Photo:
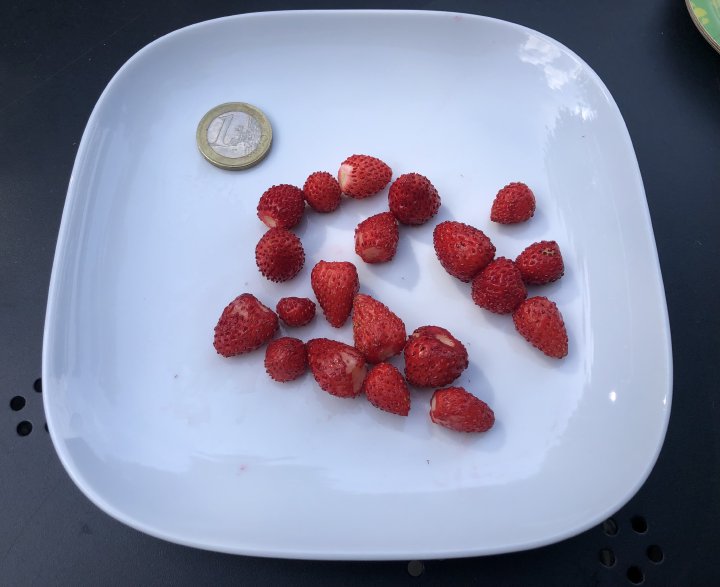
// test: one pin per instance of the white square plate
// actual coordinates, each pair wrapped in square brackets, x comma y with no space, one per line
[172,439]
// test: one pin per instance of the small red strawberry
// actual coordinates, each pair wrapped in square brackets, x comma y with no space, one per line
[322,192]
[377,332]
[338,368]
[499,287]
[386,389]
[514,203]
[462,250]
[279,254]
[335,284]
[433,357]
[281,206]
[541,263]
[376,238]
[540,322]
[361,176]
[285,359]
[245,324]
[295,311]
[458,410]
[413,199]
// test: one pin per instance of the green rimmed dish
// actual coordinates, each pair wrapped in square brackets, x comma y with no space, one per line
[706,16]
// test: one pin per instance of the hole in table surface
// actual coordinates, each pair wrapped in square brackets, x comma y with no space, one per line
[607,557]
[415,568]
[635,575]
[37,385]
[24,428]
[610,527]
[639,524]
[655,553]
[17,403]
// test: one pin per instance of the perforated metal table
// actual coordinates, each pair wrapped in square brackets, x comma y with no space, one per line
[55,60]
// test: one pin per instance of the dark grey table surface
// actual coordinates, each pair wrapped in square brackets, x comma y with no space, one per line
[55,60]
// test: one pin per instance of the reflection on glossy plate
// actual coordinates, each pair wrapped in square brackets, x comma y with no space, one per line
[168,437]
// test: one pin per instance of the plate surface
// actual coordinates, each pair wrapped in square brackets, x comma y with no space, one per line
[170,438]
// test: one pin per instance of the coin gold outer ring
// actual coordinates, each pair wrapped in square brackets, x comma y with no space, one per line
[236,163]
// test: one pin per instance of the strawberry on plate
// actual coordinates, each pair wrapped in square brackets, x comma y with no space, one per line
[433,357]
[499,287]
[541,324]
[281,206]
[279,254]
[514,203]
[457,409]
[462,250]
[376,238]
[386,389]
[322,192]
[335,284]
[285,359]
[541,263]
[245,324]
[295,311]
[338,368]
[361,176]
[413,199]
[378,333]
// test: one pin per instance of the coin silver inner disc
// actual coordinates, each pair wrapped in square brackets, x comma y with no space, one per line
[234,134]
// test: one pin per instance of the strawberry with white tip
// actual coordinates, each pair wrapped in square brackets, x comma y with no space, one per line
[362,176]
[376,238]
[433,357]
[245,324]
[457,409]
[338,368]
[281,206]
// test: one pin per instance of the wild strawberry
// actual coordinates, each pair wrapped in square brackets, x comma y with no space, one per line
[377,332]
[376,238]
[279,254]
[499,287]
[281,206]
[413,199]
[433,357]
[285,359]
[335,284]
[386,389]
[361,176]
[245,324]
[322,192]
[540,322]
[458,410]
[295,311]
[462,250]
[514,203]
[338,368]
[541,263]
